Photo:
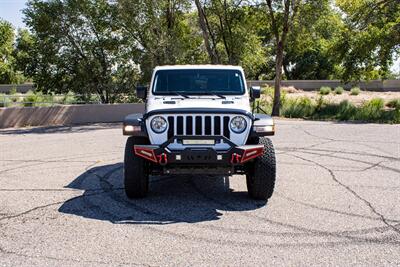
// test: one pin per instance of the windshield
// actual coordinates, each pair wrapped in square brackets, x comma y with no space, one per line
[198,82]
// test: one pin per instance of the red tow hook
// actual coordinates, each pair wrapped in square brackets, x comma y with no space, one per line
[235,158]
[162,159]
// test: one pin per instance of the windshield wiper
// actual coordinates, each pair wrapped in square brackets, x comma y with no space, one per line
[182,95]
[213,94]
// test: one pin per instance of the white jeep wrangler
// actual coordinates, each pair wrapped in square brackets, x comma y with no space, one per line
[198,120]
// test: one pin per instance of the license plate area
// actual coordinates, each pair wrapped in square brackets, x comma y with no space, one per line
[199,155]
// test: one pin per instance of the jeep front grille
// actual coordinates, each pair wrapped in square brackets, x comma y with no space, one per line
[198,125]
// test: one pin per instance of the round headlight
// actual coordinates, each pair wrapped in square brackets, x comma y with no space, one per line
[238,124]
[158,124]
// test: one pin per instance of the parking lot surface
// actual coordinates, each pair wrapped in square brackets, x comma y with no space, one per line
[337,202]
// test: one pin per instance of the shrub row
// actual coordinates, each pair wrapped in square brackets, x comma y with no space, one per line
[371,111]
[325,90]
[321,109]
[38,99]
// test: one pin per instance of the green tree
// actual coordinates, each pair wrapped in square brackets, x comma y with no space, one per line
[230,30]
[8,73]
[282,15]
[310,51]
[24,49]
[160,32]
[371,38]
[208,36]
[79,48]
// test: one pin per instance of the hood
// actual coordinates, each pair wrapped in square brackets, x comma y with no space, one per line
[172,102]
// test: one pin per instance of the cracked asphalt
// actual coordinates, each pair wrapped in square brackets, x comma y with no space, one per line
[336,202]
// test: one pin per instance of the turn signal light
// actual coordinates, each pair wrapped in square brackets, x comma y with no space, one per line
[264,129]
[131,128]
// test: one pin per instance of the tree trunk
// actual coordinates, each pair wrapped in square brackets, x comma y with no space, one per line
[170,18]
[228,53]
[107,97]
[102,98]
[203,25]
[278,77]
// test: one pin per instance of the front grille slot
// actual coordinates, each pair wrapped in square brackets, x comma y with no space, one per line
[189,125]
[179,125]
[207,125]
[198,125]
[170,127]
[217,125]
[227,133]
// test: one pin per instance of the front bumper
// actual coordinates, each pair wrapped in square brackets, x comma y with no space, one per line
[222,153]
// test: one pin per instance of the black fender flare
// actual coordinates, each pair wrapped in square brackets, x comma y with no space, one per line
[135,119]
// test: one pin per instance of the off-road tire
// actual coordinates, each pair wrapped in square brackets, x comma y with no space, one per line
[136,170]
[261,173]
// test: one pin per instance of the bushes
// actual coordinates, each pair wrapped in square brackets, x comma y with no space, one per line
[346,111]
[370,111]
[394,103]
[298,108]
[339,90]
[263,106]
[325,90]
[38,99]
[69,99]
[355,91]
[31,98]
[3,101]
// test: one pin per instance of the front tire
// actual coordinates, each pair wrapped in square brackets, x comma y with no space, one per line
[261,173]
[136,170]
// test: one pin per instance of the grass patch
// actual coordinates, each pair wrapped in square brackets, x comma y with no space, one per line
[68,99]
[346,111]
[3,101]
[321,109]
[394,103]
[325,90]
[31,99]
[338,90]
[301,107]
[371,110]
[355,91]
[38,99]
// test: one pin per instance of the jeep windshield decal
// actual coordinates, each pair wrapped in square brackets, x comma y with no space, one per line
[198,82]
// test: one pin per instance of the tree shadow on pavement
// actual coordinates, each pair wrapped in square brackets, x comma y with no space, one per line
[172,199]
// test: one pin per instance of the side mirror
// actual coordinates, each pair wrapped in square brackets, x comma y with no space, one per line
[141,91]
[255,92]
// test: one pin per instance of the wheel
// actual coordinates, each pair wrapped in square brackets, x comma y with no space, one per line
[136,170]
[261,173]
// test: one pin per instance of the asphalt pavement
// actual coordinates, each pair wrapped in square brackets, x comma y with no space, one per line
[336,203]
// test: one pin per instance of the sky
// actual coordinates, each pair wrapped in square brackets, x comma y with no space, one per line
[11,10]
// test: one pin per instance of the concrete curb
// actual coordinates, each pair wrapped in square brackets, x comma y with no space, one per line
[66,115]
